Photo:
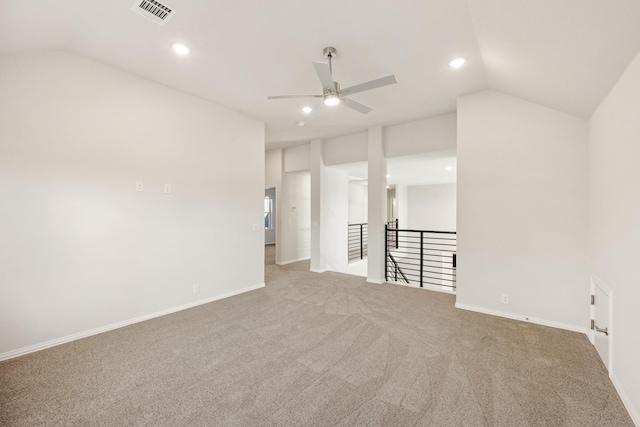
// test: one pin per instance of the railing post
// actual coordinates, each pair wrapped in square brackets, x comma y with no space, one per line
[386,254]
[421,255]
[361,238]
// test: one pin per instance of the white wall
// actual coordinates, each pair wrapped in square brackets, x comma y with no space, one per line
[334,218]
[614,223]
[293,189]
[421,136]
[345,149]
[295,223]
[358,196]
[273,168]
[273,179]
[432,207]
[522,201]
[296,158]
[402,205]
[80,248]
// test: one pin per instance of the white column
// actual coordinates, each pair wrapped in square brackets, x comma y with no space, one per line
[318,264]
[377,204]
[402,205]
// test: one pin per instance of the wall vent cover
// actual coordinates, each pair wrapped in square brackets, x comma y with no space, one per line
[153,10]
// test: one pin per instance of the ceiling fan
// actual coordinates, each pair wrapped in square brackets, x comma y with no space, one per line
[331,92]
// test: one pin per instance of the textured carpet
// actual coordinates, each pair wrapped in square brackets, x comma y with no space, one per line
[321,350]
[269,254]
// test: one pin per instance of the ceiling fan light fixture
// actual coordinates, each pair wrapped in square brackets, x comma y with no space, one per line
[331,99]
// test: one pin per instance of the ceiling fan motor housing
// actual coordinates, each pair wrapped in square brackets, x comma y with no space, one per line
[329,52]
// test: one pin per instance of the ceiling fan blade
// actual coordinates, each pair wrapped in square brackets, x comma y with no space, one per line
[293,96]
[356,105]
[324,73]
[373,84]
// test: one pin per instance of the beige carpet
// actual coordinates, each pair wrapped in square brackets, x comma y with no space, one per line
[320,350]
[269,254]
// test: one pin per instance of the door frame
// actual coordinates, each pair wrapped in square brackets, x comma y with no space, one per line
[276,215]
[596,281]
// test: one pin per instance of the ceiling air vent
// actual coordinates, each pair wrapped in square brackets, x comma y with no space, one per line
[153,10]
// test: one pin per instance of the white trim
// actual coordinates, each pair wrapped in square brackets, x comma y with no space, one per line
[596,281]
[313,270]
[377,282]
[513,316]
[52,343]
[635,417]
[292,261]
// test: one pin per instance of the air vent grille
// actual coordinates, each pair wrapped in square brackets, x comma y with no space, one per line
[153,10]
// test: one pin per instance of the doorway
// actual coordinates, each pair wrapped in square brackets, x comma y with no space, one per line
[270,225]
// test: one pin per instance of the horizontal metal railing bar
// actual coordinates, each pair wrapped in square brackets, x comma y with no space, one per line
[420,231]
[414,236]
[444,279]
[433,249]
[438,268]
[410,250]
[410,245]
[417,243]
[411,239]
[431,240]
[426,283]
[432,258]
[444,282]
[423,256]
[411,236]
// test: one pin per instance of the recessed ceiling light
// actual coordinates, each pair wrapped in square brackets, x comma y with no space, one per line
[301,124]
[180,49]
[331,100]
[307,110]
[449,168]
[457,63]
[388,176]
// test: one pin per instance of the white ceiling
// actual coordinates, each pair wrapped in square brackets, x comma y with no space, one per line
[564,54]
[422,169]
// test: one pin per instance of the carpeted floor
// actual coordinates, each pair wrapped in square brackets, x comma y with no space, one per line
[317,350]
[269,254]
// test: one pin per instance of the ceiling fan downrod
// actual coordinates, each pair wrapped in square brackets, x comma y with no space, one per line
[329,53]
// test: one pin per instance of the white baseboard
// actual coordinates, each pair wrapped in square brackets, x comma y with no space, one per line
[292,261]
[313,270]
[633,413]
[513,316]
[52,343]
[374,281]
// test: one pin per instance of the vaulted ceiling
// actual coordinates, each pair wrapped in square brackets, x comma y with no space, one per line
[563,54]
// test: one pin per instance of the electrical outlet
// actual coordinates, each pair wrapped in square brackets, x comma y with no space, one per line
[256,227]
[167,188]
[139,186]
[196,289]
[504,299]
